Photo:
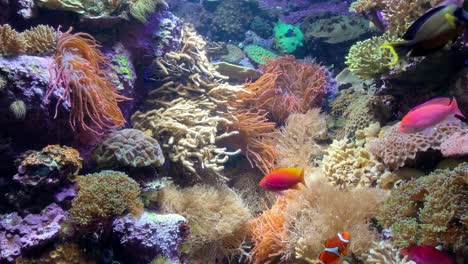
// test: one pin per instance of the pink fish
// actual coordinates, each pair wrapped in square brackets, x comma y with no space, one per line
[283,179]
[427,255]
[428,114]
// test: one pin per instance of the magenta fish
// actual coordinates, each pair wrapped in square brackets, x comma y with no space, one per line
[427,255]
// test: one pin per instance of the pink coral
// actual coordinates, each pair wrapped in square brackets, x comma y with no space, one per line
[79,67]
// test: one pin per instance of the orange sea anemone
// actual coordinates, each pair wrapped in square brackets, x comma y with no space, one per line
[80,69]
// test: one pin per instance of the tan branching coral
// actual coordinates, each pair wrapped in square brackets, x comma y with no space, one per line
[348,163]
[319,211]
[217,217]
[11,42]
[430,210]
[297,141]
[385,253]
[41,39]
[188,133]
[395,149]
[128,147]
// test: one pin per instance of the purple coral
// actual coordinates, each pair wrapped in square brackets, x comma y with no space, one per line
[19,235]
[151,235]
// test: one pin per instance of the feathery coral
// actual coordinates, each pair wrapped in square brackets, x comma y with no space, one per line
[297,141]
[41,39]
[105,195]
[78,70]
[11,42]
[217,218]
[430,210]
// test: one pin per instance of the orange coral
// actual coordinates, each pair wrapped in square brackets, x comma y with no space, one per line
[92,96]
[287,86]
[268,233]
[257,138]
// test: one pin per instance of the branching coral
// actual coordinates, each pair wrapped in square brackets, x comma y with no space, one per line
[297,142]
[11,42]
[367,60]
[102,196]
[188,133]
[319,211]
[216,216]
[395,148]
[268,232]
[385,253]
[40,39]
[69,253]
[430,210]
[128,147]
[348,163]
[78,70]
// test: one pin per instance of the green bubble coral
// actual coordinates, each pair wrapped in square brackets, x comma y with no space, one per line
[367,60]
[430,210]
[288,38]
[104,195]
[258,54]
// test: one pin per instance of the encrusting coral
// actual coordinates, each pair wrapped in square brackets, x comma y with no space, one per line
[67,253]
[430,210]
[128,147]
[395,148]
[104,195]
[348,163]
[298,140]
[78,72]
[217,218]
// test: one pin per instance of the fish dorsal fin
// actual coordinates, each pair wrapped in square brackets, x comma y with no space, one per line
[436,101]
[416,25]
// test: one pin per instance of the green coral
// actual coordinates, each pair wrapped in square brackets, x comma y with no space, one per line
[141,9]
[288,37]
[430,210]
[122,66]
[367,60]
[104,195]
[258,54]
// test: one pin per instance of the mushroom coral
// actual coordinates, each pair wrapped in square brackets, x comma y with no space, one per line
[79,69]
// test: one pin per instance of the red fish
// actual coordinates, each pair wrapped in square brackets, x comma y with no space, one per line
[335,247]
[427,255]
[283,179]
[428,114]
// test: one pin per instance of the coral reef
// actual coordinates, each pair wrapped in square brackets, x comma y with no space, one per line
[383,253]
[102,196]
[19,235]
[395,148]
[348,163]
[128,148]
[235,54]
[430,210]
[230,20]
[142,239]
[298,140]
[216,216]
[456,145]
[91,96]
[69,253]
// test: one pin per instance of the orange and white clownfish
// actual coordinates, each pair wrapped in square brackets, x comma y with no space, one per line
[335,247]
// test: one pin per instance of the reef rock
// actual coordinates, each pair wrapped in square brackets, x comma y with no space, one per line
[20,235]
[151,235]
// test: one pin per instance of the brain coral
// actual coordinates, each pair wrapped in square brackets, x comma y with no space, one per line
[396,148]
[430,210]
[348,163]
[128,148]
[105,195]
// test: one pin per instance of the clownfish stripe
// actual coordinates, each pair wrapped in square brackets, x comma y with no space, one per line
[342,238]
[333,250]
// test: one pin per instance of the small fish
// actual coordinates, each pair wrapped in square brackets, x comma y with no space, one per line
[283,179]
[335,247]
[427,255]
[430,33]
[428,114]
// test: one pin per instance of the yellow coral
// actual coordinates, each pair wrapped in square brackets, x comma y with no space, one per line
[11,42]
[40,39]
[367,60]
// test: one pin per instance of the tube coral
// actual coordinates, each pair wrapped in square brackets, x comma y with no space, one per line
[78,69]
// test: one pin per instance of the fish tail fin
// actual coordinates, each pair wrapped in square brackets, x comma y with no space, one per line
[396,49]
[302,176]
[454,106]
